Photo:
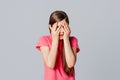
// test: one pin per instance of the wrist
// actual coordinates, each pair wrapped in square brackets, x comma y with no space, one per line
[54,40]
[66,38]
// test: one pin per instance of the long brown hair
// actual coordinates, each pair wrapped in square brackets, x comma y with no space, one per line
[57,16]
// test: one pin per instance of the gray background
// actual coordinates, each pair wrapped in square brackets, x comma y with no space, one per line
[96,24]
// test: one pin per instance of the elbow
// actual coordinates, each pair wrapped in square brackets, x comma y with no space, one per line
[51,66]
[70,65]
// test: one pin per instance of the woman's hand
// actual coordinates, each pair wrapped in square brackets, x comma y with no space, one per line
[66,30]
[55,31]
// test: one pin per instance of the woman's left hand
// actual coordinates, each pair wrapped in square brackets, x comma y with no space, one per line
[66,30]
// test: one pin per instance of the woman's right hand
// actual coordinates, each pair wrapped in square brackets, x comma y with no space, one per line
[55,29]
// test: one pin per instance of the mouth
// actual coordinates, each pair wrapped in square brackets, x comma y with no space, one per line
[61,34]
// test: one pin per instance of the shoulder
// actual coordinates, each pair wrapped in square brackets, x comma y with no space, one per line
[73,38]
[44,37]
[74,42]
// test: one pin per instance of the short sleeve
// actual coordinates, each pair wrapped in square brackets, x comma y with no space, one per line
[74,43]
[41,42]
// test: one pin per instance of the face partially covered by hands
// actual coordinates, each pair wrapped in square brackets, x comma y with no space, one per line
[60,30]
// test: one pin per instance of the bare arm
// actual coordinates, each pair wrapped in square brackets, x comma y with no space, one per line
[50,55]
[70,53]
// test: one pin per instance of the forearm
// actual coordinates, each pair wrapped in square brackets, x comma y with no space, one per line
[69,54]
[53,54]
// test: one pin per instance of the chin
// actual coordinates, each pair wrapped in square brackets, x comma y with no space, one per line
[61,38]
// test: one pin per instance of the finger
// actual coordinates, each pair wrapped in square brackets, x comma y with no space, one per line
[58,29]
[55,26]
[67,26]
[63,28]
[63,21]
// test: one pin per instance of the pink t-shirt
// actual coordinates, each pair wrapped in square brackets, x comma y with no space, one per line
[57,73]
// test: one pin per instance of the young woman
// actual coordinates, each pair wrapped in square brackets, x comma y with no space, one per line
[59,48]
